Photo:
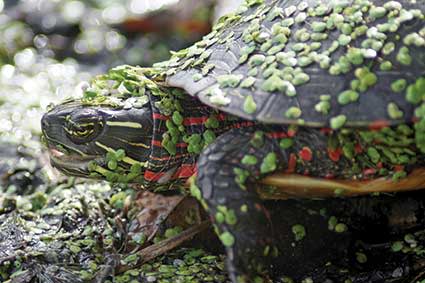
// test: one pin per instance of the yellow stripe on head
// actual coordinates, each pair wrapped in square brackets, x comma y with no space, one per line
[133,125]
[138,144]
[126,159]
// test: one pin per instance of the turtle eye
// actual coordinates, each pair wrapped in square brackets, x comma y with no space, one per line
[83,127]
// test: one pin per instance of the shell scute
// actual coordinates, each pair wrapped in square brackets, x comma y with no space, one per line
[361,54]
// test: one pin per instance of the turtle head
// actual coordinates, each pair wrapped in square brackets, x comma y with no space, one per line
[98,140]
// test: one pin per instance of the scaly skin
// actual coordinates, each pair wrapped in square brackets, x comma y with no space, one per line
[234,204]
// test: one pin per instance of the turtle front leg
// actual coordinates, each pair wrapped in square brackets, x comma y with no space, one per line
[228,171]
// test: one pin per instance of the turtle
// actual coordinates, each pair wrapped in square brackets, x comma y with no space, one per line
[284,98]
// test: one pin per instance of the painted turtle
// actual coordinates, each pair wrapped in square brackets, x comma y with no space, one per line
[328,95]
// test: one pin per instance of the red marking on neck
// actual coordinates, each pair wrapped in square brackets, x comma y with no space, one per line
[378,124]
[201,120]
[158,143]
[190,121]
[152,176]
[292,163]
[168,157]
[183,172]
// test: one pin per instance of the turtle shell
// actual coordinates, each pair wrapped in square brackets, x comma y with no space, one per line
[340,63]
[284,186]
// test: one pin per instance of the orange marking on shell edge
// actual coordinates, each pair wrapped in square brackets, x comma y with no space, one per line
[398,168]
[369,171]
[277,135]
[157,143]
[306,154]
[243,124]
[329,176]
[326,130]
[258,206]
[358,148]
[292,163]
[157,116]
[334,154]
[291,133]
[378,125]
[266,213]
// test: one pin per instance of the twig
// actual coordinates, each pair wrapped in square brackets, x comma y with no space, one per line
[164,246]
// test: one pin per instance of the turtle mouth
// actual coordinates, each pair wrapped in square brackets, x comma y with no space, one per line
[72,163]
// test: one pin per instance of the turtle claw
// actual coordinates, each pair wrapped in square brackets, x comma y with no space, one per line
[242,273]
[243,278]
[249,262]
